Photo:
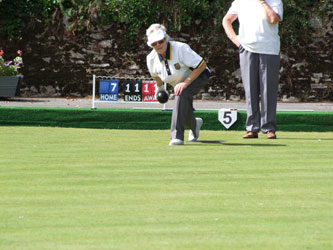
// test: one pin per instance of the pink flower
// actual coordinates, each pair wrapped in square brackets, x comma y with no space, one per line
[19,52]
[1,52]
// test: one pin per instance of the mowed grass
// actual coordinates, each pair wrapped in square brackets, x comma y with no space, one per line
[63,188]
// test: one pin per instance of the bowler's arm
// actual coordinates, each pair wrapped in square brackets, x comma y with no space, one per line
[159,82]
[229,30]
[271,16]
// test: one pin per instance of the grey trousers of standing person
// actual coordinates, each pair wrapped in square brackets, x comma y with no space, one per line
[182,114]
[260,75]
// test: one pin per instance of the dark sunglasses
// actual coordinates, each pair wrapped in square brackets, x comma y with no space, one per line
[158,42]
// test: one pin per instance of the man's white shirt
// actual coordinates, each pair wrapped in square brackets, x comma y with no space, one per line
[255,33]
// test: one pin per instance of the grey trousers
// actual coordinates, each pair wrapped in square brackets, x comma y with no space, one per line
[260,75]
[182,114]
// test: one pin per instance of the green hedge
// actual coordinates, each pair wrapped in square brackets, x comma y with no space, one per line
[137,15]
[20,19]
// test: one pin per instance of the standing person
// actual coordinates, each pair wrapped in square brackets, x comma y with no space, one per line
[177,64]
[259,55]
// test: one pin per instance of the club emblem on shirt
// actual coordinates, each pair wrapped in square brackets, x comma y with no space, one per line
[177,65]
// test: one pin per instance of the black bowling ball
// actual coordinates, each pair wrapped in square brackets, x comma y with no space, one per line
[162,96]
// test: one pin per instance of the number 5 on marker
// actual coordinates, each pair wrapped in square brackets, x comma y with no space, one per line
[227,117]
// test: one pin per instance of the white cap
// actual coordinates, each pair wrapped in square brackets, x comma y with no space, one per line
[155,36]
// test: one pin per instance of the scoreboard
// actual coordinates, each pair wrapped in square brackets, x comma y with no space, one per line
[132,89]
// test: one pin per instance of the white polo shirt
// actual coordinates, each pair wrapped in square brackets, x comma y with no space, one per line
[255,33]
[179,63]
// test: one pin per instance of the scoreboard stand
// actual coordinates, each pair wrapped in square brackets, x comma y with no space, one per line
[135,90]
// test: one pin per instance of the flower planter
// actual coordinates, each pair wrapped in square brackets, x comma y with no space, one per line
[10,86]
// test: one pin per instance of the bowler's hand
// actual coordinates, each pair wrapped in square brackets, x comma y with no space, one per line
[179,88]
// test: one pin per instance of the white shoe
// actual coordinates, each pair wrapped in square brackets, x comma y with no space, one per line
[191,137]
[174,142]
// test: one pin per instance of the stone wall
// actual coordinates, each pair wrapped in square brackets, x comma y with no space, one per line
[307,71]
[60,63]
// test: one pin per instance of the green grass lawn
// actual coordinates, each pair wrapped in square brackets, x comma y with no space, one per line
[63,188]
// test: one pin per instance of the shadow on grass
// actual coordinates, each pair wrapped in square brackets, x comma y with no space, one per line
[255,145]
[208,141]
[198,142]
